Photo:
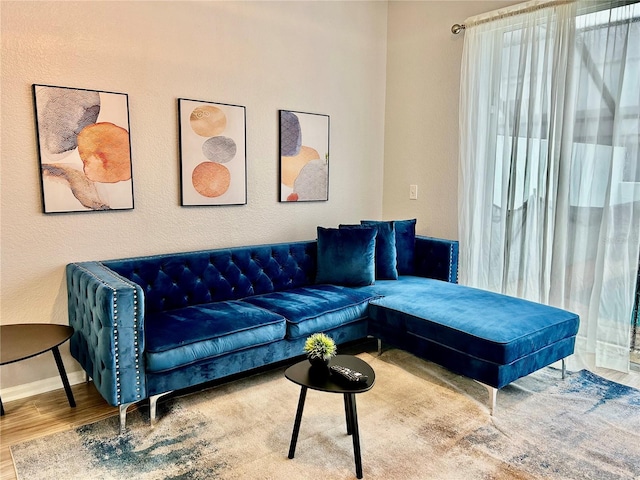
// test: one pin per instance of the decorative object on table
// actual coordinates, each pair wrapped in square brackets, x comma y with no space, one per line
[319,349]
[304,157]
[213,159]
[84,148]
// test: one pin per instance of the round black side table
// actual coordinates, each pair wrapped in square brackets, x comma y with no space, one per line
[22,341]
[302,374]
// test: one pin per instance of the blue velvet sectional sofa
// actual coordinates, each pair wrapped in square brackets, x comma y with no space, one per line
[150,325]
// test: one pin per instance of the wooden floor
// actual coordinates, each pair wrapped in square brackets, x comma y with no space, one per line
[49,413]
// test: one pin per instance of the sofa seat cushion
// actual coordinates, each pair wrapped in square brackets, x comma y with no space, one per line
[486,325]
[188,335]
[315,308]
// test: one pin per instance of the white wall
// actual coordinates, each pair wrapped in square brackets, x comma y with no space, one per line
[320,57]
[421,128]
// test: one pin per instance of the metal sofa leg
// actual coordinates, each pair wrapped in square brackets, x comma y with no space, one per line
[379,344]
[493,397]
[493,392]
[123,415]
[153,402]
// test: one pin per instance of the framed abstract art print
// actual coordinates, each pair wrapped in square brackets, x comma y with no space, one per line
[84,149]
[213,161]
[304,157]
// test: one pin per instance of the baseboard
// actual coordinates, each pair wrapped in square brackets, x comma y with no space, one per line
[40,386]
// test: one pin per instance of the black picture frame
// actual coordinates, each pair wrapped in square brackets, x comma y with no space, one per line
[304,156]
[213,153]
[84,149]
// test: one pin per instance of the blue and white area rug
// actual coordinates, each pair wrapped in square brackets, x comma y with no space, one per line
[418,422]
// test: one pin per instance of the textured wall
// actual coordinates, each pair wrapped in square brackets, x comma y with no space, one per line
[421,128]
[320,57]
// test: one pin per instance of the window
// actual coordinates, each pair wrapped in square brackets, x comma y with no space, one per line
[550,163]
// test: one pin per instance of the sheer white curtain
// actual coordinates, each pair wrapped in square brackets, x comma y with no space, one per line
[549,181]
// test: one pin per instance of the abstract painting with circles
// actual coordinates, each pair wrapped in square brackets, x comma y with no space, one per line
[85,150]
[304,157]
[212,153]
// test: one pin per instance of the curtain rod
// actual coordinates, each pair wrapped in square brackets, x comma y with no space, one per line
[530,6]
[518,9]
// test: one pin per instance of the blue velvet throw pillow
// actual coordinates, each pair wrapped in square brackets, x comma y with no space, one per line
[386,253]
[405,231]
[346,256]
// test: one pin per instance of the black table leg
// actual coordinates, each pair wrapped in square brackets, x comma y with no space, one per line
[63,376]
[1,407]
[356,434]
[296,425]
[347,413]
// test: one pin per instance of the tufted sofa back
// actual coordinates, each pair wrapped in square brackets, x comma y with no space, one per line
[182,279]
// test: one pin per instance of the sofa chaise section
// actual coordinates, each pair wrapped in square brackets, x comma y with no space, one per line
[489,337]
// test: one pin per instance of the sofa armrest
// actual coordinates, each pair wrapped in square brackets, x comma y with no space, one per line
[436,258]
[106,312]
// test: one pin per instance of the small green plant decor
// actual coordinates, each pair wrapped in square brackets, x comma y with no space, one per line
[319,349]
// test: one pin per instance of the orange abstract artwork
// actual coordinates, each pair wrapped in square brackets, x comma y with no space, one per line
[208,121]
[211,179]
[84,146]
[104,150]
[304,157]
[291,166]
[212,153]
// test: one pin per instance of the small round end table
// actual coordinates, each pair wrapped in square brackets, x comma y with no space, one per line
[26,340]
[302,374]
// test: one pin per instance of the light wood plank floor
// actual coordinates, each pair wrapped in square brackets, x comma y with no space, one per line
[49,413]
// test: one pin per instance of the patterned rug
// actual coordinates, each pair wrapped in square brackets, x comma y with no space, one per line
[418,422]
